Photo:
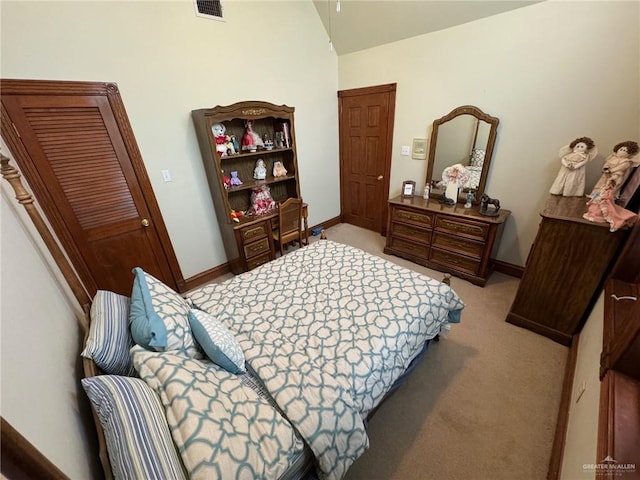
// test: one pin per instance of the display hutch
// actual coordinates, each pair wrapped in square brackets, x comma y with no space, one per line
[248,240]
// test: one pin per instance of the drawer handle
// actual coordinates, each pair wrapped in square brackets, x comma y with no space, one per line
[629,297]
[256,248]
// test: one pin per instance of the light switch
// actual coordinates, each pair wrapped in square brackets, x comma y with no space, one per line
[406,150]
[166,175]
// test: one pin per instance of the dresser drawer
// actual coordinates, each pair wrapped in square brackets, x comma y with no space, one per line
[254,249]
[454,261]
[411,232]
[462,227]
[257,261]
[410,216]
[465,246]
[254,231]
[414,249]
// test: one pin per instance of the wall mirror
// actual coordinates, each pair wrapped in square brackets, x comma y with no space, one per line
[467,136]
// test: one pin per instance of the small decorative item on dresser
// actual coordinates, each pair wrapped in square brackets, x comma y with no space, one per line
[471,195]
[485,201]
[408,188]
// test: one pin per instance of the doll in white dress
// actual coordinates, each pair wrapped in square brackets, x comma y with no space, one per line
[573,158]
[617,167]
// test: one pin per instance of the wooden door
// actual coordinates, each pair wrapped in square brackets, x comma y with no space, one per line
[74,145]
[366,136]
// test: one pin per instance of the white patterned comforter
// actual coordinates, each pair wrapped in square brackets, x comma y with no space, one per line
[223,429]
[328,328]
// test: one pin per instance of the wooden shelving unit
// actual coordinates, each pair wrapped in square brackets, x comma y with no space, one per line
[248,242]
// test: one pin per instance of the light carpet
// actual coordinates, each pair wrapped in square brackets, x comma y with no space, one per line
[482,405]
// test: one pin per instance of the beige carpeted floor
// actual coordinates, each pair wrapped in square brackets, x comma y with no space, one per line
[482,404]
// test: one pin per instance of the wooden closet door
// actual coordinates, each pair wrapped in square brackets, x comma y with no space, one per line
[74,145]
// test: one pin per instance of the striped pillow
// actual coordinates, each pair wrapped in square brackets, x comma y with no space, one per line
[109,338]
[135,428]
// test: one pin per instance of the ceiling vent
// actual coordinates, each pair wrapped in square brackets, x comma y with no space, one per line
[209,9]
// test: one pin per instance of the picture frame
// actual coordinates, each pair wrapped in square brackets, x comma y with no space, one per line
[408,188]
[419,149]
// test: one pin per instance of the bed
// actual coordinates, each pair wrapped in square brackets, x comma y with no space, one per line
[270,374]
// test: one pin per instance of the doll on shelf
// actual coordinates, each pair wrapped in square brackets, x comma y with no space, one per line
[260,172]
[235,180]
[218,130]
[574,157]
[278,169]
[251,140]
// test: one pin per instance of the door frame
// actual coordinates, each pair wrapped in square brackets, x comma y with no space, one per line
[386,88]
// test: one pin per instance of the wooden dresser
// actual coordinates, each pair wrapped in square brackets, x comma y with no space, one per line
[447,238]
[566,269]
[619,419]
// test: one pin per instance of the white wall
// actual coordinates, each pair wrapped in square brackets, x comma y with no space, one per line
[550,72]
[40,345]
[166,62]
[581,440]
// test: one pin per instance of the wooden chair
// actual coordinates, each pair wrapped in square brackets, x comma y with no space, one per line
[289,223]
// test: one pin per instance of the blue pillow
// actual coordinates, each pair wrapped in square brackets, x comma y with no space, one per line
[217,341]
[109,339]
[135,428]
[158,317]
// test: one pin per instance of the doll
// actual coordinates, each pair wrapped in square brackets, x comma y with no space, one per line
[251,140]
[573,159]
[617,168]
[218,131]
[279,170]
[235,180]
[260,172]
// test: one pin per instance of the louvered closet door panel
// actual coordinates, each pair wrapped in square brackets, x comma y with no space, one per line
[79,155]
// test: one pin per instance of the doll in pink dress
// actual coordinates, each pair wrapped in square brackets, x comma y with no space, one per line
[251,140]
[602,208]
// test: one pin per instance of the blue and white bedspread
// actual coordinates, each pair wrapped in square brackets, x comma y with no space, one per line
[223,429]
[328,328]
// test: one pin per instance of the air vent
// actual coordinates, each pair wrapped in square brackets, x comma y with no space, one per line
[209,9]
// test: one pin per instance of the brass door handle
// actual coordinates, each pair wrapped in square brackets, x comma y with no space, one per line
[145,222]
[380,177]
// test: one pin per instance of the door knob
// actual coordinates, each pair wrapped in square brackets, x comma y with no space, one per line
[145,222]
[380,177]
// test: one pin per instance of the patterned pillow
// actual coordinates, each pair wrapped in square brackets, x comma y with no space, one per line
[109,339]
[135,428]
[217,341]
[158,318]
[477,157]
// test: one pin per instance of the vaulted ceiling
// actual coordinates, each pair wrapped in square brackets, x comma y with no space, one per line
[362,24]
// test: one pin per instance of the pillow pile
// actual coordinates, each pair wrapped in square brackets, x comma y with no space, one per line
[163,321]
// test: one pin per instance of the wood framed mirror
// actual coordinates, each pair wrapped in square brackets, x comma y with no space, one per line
[466,136]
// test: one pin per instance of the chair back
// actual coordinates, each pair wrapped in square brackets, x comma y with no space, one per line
[290,219]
